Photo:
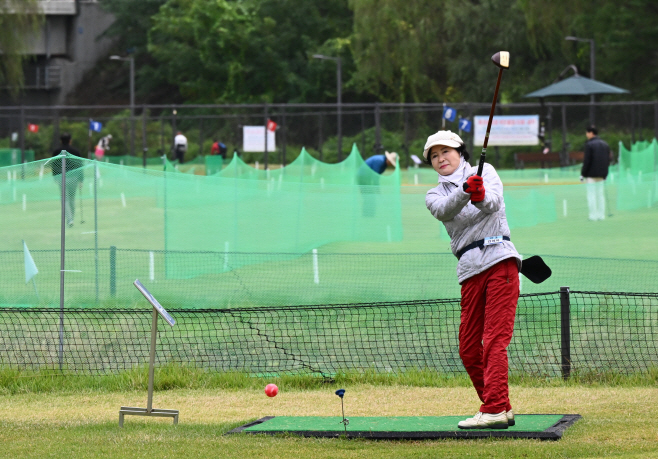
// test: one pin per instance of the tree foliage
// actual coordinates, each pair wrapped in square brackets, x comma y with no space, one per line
[18,18]
[392,50]
[248,51]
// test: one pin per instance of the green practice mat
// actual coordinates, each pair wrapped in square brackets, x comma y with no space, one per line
[541,426]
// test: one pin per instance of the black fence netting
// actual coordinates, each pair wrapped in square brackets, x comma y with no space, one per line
[555,334]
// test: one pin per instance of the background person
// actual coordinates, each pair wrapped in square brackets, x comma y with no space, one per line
[472,208]
[74,174]
[218,148]
[594,172]
[368,174]
[180,147]
[103,146]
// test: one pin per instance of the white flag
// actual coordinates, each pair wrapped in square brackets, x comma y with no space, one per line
[30,267]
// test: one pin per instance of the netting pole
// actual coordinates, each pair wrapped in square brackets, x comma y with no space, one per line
[320,136]
[378,131]
[96,226]
[113,271]
[565,327]
[655,119]
[144,145]
[62,260]
[22,133]
[565,153]
[164,182]
[405,115]
[363,132]
[284,136]
[265,155]
[632,125]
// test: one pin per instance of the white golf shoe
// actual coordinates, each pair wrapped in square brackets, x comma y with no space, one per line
[510,418]
[485,421]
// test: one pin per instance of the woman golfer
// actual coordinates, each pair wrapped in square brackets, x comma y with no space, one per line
[473,211]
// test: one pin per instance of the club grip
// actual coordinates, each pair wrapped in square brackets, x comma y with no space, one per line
[481,164]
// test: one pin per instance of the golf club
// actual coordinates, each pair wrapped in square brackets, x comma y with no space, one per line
[500,60]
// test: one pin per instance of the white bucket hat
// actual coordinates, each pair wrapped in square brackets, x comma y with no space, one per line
[391,157]
[447,138]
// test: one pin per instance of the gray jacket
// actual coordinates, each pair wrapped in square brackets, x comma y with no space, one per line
[467,222]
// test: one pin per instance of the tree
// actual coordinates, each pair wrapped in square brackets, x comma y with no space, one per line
[247,51]
[399,49]
[17,19]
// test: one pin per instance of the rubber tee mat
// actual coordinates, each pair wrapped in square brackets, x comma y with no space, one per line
[541,426]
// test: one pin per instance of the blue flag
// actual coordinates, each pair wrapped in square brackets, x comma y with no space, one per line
[449,113]
[95,126]
[465,124]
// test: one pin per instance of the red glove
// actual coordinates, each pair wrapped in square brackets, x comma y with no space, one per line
[475,186]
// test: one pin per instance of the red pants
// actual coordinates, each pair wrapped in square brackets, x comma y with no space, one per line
[487,322]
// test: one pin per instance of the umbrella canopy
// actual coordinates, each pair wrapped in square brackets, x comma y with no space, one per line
[577,86]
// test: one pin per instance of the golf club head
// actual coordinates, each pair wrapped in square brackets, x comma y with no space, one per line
[501,59]
[340,392]
[535,269]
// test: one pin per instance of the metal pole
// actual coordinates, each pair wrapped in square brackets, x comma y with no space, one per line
[363,131]
[378,132]
[200,137]
[592,68]
[284,138]
[565,331]
[96,226]
[144,144]
[405,115]
[62,264]
[113,271]
[132,106]
[632,125]
[265,155]
[339,90]
[154,337]
[320,137]
[22,133]
[655,119]
[565,153]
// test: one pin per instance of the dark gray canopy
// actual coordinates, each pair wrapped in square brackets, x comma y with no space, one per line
[576,86]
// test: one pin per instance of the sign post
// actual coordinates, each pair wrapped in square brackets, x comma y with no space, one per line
[149,410]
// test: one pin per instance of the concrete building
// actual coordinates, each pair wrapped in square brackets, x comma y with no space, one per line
[68,45]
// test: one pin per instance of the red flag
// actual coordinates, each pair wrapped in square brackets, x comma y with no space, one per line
[271,125]
[33,127]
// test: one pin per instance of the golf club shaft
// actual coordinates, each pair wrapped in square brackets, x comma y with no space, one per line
[491,115]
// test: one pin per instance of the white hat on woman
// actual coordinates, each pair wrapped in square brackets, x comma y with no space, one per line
[447,138]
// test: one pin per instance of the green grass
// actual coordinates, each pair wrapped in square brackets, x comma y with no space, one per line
[44,415]
[175,376]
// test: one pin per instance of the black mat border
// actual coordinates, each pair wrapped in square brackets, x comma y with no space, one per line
[552,433]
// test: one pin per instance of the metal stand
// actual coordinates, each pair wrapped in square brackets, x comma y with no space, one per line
[149,410]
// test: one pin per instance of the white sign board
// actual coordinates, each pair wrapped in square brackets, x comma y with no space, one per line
[507,130]
[151,299]
[253,139]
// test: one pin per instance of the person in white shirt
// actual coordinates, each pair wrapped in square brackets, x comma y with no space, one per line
[180,147]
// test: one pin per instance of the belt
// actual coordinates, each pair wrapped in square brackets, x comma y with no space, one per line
[482,243]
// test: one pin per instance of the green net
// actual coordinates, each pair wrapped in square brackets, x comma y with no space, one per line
[12,156]
[308,233]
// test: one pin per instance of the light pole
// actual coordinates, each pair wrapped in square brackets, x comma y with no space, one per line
[592,68]
[339,102]
[132,98]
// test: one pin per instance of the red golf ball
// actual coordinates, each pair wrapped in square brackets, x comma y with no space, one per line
[271,390]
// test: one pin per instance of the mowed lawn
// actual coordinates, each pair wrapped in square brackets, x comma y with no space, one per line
[617,422]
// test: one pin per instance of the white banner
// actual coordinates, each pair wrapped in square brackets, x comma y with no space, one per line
[507,130]
[253,139]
